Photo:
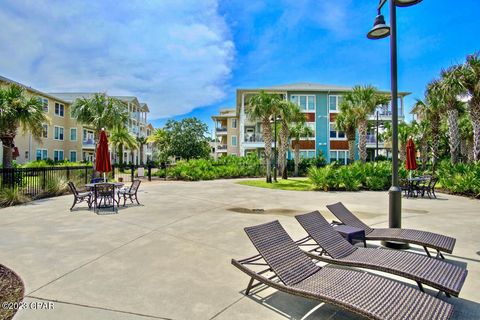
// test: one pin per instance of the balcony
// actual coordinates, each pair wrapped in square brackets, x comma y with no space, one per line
[253,138]
[221,130]
[88,144]
[221,148]
[372,141]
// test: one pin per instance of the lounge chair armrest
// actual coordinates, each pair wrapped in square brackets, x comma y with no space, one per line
[336,223]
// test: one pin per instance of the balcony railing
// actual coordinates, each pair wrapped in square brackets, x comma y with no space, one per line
[222,147]
[221,129]
[89,143]
[254,138]
[372,138]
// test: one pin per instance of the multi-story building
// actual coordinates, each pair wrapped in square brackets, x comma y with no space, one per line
[65,139]
[237,134]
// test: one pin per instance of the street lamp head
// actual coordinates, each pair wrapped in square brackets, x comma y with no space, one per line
[380,29]
[406,3]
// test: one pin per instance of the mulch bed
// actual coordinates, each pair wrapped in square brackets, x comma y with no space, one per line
[11,291]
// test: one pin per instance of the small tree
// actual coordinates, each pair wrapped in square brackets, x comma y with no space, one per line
[289,113]
[159,140]
[347,122]
[141,141]
[16,110]
[119,138]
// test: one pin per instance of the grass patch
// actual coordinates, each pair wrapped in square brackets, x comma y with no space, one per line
[296,184]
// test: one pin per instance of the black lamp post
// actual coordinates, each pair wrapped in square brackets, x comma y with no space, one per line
[381,30]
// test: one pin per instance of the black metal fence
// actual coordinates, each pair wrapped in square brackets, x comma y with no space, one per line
[35,182]
[127,173]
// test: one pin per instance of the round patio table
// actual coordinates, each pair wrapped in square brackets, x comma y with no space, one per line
[92,185]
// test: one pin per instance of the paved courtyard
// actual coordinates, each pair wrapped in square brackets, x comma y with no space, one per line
[170,258]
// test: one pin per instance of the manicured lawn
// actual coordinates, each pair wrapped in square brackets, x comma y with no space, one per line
[298,184]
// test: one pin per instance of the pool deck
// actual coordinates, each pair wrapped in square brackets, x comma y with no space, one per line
[170,257]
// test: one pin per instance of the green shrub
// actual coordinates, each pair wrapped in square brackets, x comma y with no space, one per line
[324,178]
[12,196]
[55,186]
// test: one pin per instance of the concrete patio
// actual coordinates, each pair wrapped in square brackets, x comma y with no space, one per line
[170,257]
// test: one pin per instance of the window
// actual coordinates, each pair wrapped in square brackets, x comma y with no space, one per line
[73,156]
[234,123]
[59,109]
[73,134]
[306,103]
[57,155]
[234,141]
[58,134]
[311,125]
[44,130]
[334,101]
[334,133]
[339,156]
[307,154]
[42,154]
[44,102]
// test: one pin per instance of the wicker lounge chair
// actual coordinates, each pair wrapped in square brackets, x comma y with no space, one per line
[423,238]
[362,293]
[438,274]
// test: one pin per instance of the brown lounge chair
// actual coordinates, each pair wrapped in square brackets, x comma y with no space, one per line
[362,293]
[423,238]
[438,274]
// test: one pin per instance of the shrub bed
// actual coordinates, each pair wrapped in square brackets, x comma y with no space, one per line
[208,169]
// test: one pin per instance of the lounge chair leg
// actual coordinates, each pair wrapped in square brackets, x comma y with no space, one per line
[439,254]
[364,243]
[428,253]
[420,286]
[448,295]
[250,283]
[73,205]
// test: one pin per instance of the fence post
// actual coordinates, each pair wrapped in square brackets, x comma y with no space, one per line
[149,172]
[113,171]
[68,173]
[132,172]
[86,175]
[44,180]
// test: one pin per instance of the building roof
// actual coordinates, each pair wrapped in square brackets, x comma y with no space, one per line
[225,113]
[72,96]
[48,95]
[144,106]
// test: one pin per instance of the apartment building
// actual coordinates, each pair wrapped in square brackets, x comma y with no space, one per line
[319,103]
[65,139]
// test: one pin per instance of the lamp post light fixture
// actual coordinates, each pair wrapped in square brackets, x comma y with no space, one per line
[381,30]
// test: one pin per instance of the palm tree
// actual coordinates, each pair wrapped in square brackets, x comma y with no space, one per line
[120,138]
[16,110]
[347,122]
[100,112]
[364,100]
[263,106]
[405,131]
[159,138]
[466,134]
[289,112]
[470,79]
[432,111]
[449,89]
[141,141]
[421,129]
[297,131]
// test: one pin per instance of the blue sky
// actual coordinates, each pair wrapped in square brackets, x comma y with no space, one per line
[186,58]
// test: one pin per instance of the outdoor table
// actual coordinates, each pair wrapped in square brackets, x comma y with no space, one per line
[351,234]
[91,186]
[413,184]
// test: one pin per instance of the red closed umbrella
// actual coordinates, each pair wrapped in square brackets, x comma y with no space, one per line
[411,163]
[102,156]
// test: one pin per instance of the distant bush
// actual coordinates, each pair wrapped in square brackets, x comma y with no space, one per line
[461,178]
[305,164]
[209,169]
[51,163]
[12,196]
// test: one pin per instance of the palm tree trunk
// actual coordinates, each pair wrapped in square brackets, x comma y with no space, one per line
[7,143]
[351,150]
[423,153]
[267,138]
[402,150]
[297,156]
[120,156]
[435,131]
[284,133]
[469,150]
[454,138]
[475,118]
[362,140]
[141,154]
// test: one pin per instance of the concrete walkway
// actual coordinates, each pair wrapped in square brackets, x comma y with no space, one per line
[170,258]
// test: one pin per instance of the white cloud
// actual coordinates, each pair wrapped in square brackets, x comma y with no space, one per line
[174,55]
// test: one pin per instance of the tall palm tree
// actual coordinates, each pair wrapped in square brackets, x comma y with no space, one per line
[466,134]
[262,107]
[298,130]
[432,111]
[120,138]
[470,79]
[289,112]
[364,100]
[141,141]
[405,131]
[346,121]
[450,88]
[16,110]
[99,112]
[421,129]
